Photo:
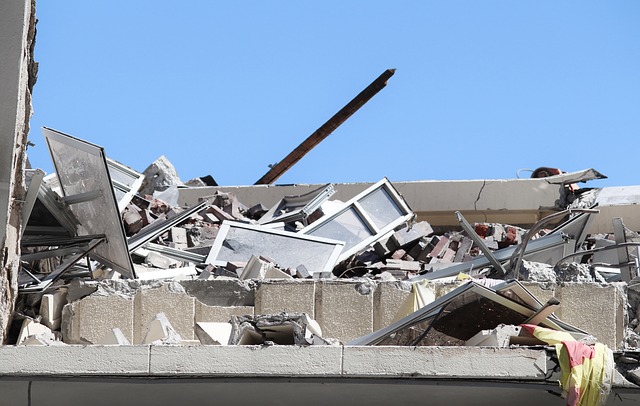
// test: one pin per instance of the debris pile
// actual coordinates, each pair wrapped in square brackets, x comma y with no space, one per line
[130,226]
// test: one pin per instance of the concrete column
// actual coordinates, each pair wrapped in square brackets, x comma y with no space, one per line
[17,76]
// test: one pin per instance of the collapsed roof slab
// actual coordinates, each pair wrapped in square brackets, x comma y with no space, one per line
[508,201]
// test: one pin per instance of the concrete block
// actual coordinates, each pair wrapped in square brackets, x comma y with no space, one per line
[179,237]
[169,299]
[445,362]
[91,318]
[32,329]
[542,291]
[221,291]
[219,314]
[158,260]
[247,361]
[160,331]
[73,360]
[51,308]
[387,300]
[258,268]
[213,333]
[497,337]
[344,310]
[595,308]
[289,296]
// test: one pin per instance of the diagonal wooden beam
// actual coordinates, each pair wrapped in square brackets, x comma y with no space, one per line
[327,128]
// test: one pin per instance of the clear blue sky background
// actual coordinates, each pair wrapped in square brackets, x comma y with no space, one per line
[482,88]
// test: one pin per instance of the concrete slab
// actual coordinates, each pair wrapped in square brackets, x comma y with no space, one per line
[246,361]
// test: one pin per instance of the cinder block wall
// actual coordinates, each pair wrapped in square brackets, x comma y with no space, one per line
[344,309]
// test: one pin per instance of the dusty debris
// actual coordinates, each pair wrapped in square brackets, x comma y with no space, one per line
[281,329]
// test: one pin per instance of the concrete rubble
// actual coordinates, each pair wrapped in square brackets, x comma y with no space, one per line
[311,271]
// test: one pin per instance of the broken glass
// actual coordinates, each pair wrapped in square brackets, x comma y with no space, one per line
[237,242]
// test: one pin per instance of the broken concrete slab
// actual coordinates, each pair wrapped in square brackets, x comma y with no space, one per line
[160,175]
[32,329]
[51,306]
[259,268]
[161,332]
[213,333]
[498,337]
[282,329]
[169,299]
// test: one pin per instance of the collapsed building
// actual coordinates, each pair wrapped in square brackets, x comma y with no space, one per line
[125,286]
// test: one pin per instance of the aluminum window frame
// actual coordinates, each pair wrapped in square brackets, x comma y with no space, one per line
[304,205]
[226,227]
[355,205]
[114,251]
[129,190]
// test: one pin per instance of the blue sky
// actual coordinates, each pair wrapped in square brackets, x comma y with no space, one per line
[482,88]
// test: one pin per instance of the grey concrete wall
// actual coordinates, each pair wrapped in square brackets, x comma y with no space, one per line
[17,75]
[344,309]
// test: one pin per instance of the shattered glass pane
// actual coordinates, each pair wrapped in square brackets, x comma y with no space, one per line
[347,227]
[381,208]
[240,243]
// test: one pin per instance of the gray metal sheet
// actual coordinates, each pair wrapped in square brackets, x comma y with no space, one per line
[81,168]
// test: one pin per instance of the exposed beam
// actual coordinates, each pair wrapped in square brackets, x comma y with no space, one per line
[327,128]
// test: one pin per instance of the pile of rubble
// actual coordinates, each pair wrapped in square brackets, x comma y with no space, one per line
[129,226]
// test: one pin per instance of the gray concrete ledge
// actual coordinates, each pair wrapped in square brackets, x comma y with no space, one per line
[446,362]
[284,361]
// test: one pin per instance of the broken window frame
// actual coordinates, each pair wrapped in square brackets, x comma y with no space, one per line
[226,227]
[496,294]
[129,190]
[355,205]
[303,206]
[88,205]
[158,227]
[80,252]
